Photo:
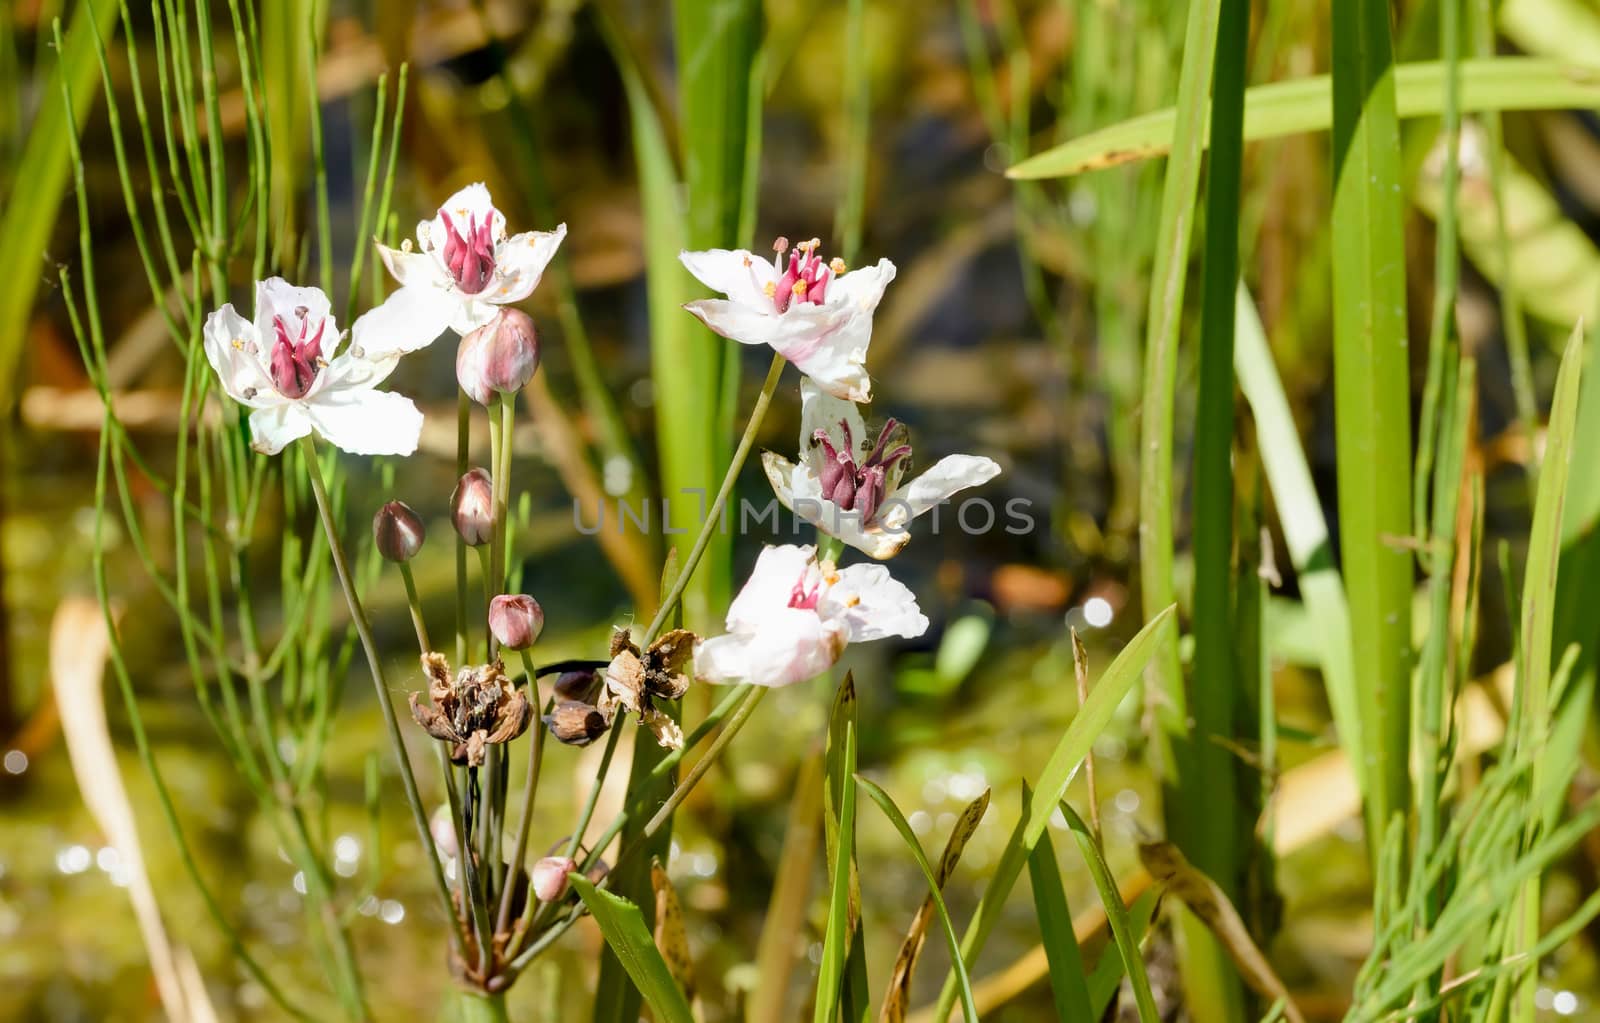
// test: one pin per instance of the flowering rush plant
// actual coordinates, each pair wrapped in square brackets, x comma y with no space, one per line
[301,380]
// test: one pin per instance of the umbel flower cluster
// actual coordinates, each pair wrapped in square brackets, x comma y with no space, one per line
[303,378]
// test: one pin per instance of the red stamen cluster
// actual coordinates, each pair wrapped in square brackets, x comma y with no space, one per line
[802,598]
[859,487]
[296,360]
[469,256]
[806,279]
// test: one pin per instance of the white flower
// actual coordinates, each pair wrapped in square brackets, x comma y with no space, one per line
[463,269]
[279,366]
[815,315]
[850,485]
[795,616]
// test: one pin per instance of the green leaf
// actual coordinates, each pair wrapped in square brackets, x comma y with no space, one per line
[1109,690]
[1372,394]
[1305,531]
[628,936]
[1068,984]
[1116,914]
[1304,105]
[958,966]
[26,224]
[844,912]
[1107,975]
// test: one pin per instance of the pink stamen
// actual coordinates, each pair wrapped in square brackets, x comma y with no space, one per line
[469,255]
[802,598]
[295,361]
[806,277]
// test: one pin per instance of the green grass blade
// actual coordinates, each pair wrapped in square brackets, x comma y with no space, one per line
[627,935]
[1069,985]
[1106,978]
[1116,915]
[1109,690]
[1300,513]
[1304,105]
[1538,618]
[1372,394]
[1208,829]
[43,168]
[1164,316]
[843,909]
[958,967]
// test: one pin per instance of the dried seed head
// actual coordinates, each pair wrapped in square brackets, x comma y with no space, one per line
[472,507]
[576,723]
[550,877]
[478,708]
[398,531]
[499,357]
[516,620]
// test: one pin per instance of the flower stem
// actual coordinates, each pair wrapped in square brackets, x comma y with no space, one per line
[415,604]
[463,430]
[714,514]
[535,759]
[358,615]
[469,1005]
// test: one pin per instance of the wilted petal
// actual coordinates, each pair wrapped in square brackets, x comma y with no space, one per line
[274,427]
[780,473]
[365,422]
[666,730]
[625,680]
[432,722]
[520,261]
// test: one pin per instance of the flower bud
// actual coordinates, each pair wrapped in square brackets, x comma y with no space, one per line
[516,620]
[499,357]
[549,877]
[582,686]
[443,829]
[397,531]
[576,723]
[472,507]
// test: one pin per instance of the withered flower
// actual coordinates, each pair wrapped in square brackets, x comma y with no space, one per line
[635,679]
[479,707]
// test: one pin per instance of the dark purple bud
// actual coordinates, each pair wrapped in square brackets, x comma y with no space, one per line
[472,507]
[398,531]
[516,620]
[499,357]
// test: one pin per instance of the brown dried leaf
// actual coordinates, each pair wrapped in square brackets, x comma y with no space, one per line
[897,1000]
[671,937]
[1167,865]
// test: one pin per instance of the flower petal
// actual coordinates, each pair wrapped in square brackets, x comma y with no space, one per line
[834,353]
[277,297]
[795,645]
[873,605]
[838,418]
[366,422]
[780,473]
[738,322]
[414,269]
[519,263]
[473,202]
[350,372]
[410,319]
[863,288]
[275,427]
[947,476]
[777,570]
[739,274]
[233,350]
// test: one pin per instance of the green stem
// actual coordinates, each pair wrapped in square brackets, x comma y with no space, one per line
[708,528]
[463,431]
[529,790]
[358,615]
[469,1005]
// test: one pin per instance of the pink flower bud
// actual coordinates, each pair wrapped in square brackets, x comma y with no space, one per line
[499,357]
[443,829]
[397,531]
[550,877]
[516,620]
[472,507]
